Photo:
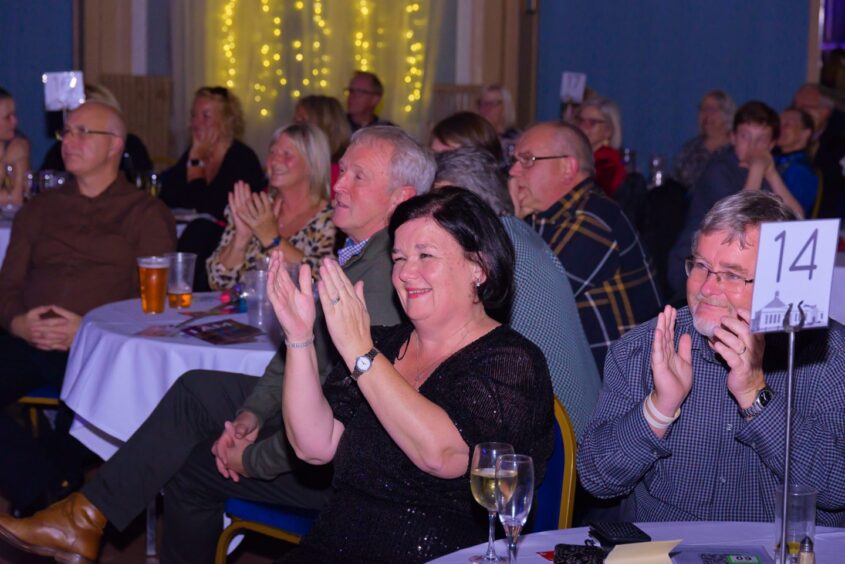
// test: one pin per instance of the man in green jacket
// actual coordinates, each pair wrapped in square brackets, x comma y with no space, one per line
[216,435]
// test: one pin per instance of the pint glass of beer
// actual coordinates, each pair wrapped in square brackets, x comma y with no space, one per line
[152,272]
[180,279]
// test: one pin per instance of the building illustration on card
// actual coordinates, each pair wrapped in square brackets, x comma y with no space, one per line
[793,277]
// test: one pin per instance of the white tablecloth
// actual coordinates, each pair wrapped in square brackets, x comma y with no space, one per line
[115,378]
[830,542]
[5,233]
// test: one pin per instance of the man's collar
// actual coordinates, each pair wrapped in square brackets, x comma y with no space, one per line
[568,200]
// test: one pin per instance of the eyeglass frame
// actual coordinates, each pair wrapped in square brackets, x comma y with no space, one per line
[349,91]
[528,162]
[83,132]
[691,261]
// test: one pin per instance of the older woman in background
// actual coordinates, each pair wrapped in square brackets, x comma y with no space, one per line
[293,215]
[326,113]
[495,104]
[600,120]
[14,153]
[400,414]
[715,116]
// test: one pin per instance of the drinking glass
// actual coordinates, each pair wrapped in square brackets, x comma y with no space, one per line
[180,279]
[483,483]
[514,493]
[152,272]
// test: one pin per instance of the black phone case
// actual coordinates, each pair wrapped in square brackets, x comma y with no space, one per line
[611,534]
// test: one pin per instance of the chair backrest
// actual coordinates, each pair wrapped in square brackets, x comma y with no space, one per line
[555,498]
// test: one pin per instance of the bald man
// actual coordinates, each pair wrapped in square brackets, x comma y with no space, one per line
[71,249]
[608,269]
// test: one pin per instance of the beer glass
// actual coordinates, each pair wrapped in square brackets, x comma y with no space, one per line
[152,272]
[180,279]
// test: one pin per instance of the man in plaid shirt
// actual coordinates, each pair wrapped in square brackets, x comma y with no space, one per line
[610,273]
[691,418]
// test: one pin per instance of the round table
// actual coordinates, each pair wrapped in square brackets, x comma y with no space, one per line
[830,542]
[114,377]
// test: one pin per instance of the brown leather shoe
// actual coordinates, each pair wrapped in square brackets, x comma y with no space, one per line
[69,530]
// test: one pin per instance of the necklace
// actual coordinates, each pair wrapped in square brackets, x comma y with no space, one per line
[420,373]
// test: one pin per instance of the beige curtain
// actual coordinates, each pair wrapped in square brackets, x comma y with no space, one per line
[273,52]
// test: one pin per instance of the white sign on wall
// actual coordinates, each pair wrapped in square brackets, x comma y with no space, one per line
[794,274]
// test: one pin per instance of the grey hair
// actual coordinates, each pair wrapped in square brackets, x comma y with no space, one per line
[478,171]
[508,108]
[411,164]
[610,110]
[737,213]
[313,145]
[726,105]
[570,140]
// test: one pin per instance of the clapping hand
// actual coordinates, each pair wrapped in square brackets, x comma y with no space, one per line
[294,307]
[671,369]
[237,205]
[345,311]
[743,352]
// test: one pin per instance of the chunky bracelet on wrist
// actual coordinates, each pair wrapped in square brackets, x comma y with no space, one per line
[655,418]
[277,240]
[300,344]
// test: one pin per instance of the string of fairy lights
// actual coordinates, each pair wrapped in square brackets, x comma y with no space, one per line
[294,67]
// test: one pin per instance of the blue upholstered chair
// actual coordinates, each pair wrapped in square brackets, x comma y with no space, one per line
[555,498]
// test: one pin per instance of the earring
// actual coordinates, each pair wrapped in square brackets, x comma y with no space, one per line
[477,283]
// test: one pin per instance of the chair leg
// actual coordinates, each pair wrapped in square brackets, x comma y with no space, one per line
[151,528]
[33,421]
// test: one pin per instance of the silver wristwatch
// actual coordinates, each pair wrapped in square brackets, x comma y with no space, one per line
[363,363]
[763,398]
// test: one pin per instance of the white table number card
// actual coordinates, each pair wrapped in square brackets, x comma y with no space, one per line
[63,90]
[572,85]
[794,267]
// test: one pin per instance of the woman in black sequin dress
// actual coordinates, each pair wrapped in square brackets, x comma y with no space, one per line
[400,420]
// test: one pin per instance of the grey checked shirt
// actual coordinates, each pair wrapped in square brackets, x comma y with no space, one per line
[712,464]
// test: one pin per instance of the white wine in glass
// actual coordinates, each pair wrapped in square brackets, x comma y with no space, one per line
[483,484]
[514,494]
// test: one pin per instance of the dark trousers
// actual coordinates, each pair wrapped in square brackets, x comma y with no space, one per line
[172,450]
[31,468]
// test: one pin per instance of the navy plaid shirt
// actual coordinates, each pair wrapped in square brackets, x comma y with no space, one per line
[610,273]
[712,464]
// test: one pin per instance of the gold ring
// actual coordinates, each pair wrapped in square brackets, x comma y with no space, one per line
[744,348]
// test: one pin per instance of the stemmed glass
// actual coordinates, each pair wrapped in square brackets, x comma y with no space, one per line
[514,493]
[483,484]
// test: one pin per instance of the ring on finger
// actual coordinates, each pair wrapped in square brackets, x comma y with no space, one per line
[335,299]
[744,348]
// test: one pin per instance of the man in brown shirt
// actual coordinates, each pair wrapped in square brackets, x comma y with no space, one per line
[71,249]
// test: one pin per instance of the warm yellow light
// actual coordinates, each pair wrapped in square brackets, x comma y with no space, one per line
[257,98]
[407,80]
[277,57]
[299,57]
[296,94]
[230,84]
[408,108]
[283,81]
[266,63]
[277,20]
[316,45]
[265,49]
[359,35]
[297,44]
[264,112]
[409,34]
[306,82]
[323,83]
[299,5]
[265,8]
[277,32]
[231,72]
[315,72]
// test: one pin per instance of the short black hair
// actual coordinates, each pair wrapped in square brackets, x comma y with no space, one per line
[758,113]
[468,129]
[478,231]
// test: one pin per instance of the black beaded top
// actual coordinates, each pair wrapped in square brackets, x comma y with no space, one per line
[385,509]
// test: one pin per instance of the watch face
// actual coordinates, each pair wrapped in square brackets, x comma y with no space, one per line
[363,363]
[765,396]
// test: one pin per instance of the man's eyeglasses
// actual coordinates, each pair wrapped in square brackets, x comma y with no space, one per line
[82,132]
[589,122]
[728,281]
[349,91]
[527,161]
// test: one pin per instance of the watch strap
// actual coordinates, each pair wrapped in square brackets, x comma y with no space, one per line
[763,398]
[277,240]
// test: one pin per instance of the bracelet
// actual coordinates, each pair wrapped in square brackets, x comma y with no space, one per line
[277,240]
[195,163]
[655,418]
[658,415]
[301,344]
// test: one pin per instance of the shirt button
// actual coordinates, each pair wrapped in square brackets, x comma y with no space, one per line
[722,480]
[654,453]
[729,427]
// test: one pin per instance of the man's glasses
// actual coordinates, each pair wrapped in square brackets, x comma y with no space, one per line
[80,131]
[588,122]
[729,281]
[527,161]
[349,91]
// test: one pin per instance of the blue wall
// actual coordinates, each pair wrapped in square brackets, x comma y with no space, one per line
[36,36]
[657,57]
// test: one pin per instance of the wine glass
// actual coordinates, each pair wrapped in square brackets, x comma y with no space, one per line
[483,483]
[514,493]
